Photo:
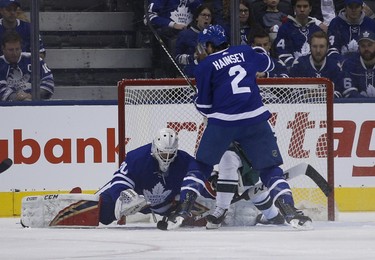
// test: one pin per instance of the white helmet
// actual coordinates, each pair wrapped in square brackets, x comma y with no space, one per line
[164,147]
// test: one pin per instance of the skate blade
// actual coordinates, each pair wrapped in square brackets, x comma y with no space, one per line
[210,225]
[306,226]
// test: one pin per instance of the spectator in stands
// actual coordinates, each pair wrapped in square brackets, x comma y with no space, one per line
[187,39]
[271,17]
[262,39]
[325,11]
[369,8]
[168,18]
[247,22]
[359,69]
[345,30]
[318,64]
[15,72]
[292,38]
[9,21]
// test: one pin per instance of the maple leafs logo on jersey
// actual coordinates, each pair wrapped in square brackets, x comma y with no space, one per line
[157,195]
[351,47]
[17,80]
[182,15]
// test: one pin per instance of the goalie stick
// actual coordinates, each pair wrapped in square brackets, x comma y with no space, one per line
[5,164]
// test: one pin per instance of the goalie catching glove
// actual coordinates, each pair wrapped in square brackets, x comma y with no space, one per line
[129,203]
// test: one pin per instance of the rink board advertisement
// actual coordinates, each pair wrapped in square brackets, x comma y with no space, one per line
[56,148]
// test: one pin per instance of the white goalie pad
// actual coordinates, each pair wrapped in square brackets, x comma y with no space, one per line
[60,210]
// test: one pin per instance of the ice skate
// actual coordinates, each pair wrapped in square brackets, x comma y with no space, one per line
[293,216]
[215,219]
[277,220]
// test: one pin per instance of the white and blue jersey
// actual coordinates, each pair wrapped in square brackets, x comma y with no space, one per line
[331,68]
[140,172]
[292,39]
[344,36]
[359,80]
[18,77]
[24,30]
[228,94]
[164,13]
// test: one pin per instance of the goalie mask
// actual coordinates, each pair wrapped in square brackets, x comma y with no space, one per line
[164,148]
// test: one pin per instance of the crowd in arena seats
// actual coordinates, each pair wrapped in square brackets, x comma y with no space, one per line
[323,35]
[16,62]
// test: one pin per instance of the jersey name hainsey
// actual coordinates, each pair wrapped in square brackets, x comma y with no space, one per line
[232,73]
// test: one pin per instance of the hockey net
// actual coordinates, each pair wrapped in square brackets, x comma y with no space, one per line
[302,115]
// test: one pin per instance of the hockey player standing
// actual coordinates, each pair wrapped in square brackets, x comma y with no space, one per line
[232,166]
[345,29]
[149,180]
[359,69]
[229,97]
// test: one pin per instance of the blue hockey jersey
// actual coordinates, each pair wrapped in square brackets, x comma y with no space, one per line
[344,36]
[24,30]
[292,39]
[15,78]
[186,42]
[331,69]
[359,81]
[140,171]
[227,90]
[163,13]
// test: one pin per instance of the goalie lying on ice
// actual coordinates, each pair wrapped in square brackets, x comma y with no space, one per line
[148,181]
[151,177]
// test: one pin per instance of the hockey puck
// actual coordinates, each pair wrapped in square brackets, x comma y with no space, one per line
[162,225]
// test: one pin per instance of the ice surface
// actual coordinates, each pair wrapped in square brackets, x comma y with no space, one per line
[351,237]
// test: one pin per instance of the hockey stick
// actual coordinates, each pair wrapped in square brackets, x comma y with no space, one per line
[164,47]
[5,164]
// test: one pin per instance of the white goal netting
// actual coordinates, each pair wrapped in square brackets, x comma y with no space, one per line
[301,118]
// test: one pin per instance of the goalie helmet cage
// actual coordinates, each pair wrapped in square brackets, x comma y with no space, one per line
[302,118]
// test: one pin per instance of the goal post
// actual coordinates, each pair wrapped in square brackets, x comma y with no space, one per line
[302,119]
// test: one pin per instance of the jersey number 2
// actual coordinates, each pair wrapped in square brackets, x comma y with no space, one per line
[240,74]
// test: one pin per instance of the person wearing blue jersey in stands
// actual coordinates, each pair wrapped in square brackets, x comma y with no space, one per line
[359,69]
[345,29]
[318,64]
[292,38]
[169,18]
[187,39]
[9,21]
[15,72]
[228,95]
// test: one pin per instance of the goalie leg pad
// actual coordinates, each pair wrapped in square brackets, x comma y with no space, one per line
[60,210]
